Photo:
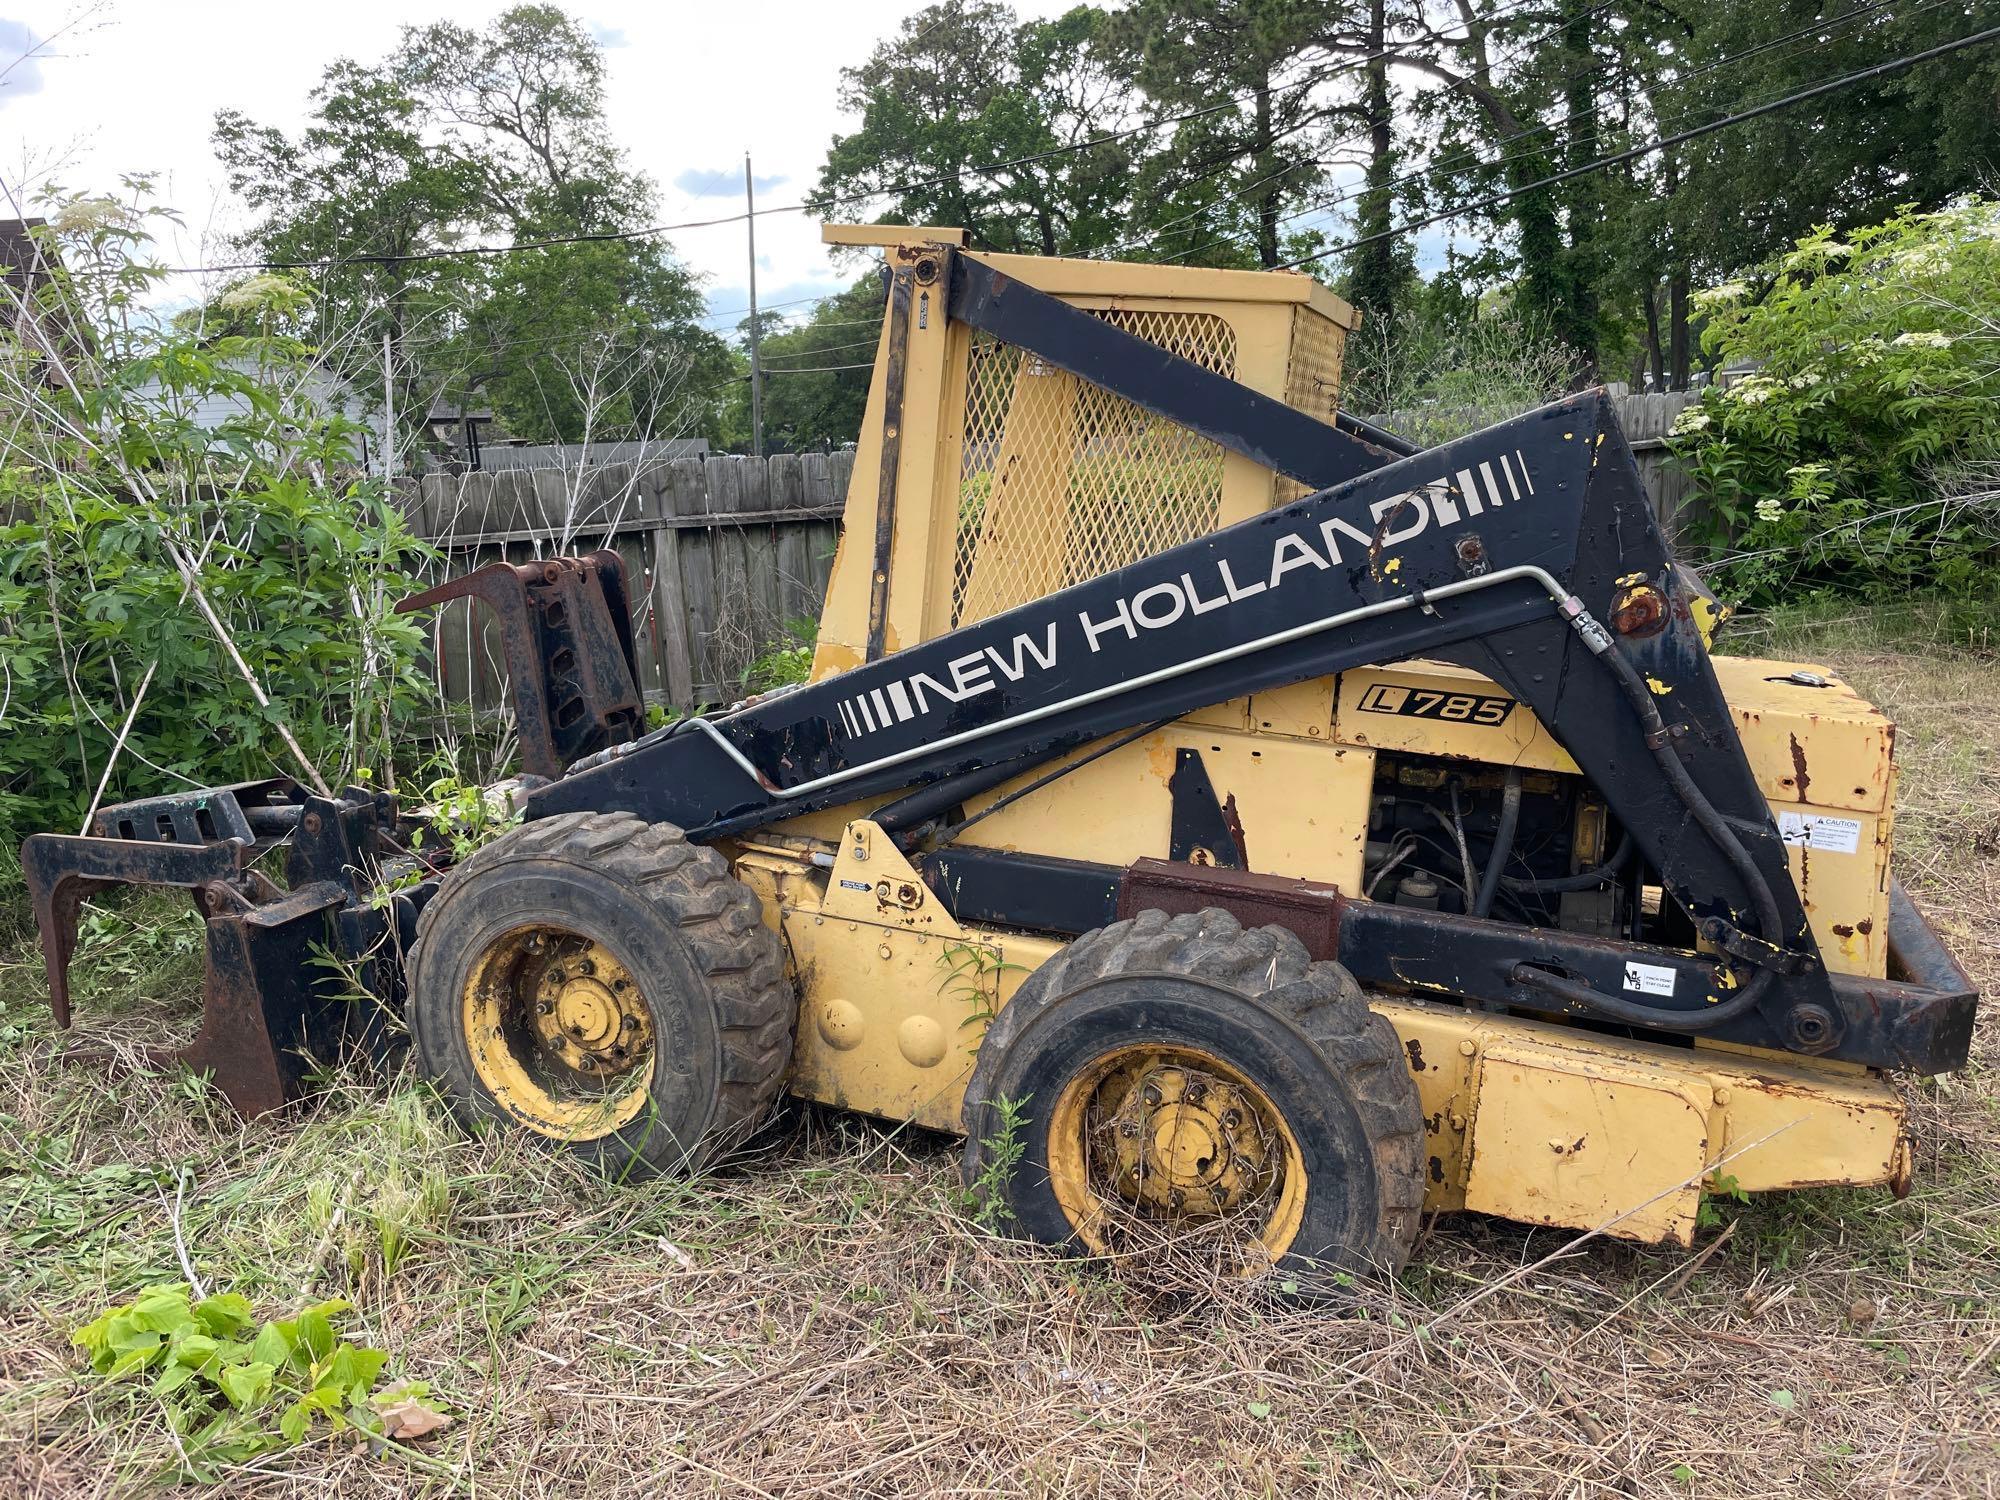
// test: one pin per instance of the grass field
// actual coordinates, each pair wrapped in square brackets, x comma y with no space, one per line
[820,1319]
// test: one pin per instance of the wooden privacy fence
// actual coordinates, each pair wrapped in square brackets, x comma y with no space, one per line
[721,554]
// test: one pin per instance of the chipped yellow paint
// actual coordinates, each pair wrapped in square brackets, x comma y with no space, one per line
[1531,1120]
[1660,689]
[1709,616]
[1392,565]
[1631,580]
[1536,1121]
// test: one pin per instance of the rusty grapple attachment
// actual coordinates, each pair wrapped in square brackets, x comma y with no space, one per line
[312,969]
[566,633]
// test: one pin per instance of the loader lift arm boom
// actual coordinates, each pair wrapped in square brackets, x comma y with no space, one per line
[1502,552]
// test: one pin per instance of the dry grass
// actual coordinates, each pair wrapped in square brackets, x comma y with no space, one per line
[821,1320]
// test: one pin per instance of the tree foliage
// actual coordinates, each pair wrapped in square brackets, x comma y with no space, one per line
[1862,450]
[461,139]
[182,602]
[965,86]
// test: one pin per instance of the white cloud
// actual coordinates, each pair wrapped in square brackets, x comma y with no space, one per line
[20,67]
[724,182]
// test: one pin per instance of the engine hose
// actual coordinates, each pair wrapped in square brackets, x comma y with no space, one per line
[1582,880]
[1770,925]
[1595,1000]
[1455,826]
[1503,844]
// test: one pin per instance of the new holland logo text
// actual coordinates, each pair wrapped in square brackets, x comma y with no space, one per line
[1396,520]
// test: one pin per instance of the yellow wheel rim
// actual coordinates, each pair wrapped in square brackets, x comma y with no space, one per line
[559,1033]
[1153,1140]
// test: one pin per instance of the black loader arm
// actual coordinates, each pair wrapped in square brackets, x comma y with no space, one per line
[1527,552]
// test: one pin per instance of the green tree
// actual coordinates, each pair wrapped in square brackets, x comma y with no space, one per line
[952,105]
[816,375]
[462,139]
[1217,185]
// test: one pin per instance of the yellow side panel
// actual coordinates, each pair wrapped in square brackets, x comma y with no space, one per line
[1612,1143]
[1303,806]
[1824,746]
[1442,1054]
[1428,708]
[1304,710]
[883,1022]
[893,992]
[1840,862]
[1786,1127]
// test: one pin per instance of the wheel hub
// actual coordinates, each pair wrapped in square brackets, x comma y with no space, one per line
[561,1034]
[587,1012]
[1186,1141]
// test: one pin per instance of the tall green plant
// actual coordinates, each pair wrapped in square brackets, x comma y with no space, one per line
[196,575]
[1858,452]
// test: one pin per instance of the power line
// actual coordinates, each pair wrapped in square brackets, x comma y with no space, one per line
[1510,156]
[1880,70]
[825,349]
[625,235]
[866,364]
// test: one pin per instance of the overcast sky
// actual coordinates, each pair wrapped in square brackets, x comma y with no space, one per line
[134,85]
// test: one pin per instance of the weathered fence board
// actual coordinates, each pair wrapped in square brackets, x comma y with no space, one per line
[720,553]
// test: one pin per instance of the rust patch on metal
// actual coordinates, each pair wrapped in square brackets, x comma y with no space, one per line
[1639,610]
[1233,821]
[1799,772]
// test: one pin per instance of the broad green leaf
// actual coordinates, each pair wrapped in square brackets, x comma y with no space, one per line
[246,1385]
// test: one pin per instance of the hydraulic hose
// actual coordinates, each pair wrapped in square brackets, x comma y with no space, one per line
[1503,843]
[1582,880]
[1770,925]
[1455,826]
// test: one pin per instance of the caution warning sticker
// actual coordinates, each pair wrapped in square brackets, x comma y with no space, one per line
[1820,834]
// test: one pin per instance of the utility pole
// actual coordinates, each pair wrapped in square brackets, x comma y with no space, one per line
[388,409]
[756,374]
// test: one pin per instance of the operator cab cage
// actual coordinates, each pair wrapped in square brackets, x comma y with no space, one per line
[1096,499]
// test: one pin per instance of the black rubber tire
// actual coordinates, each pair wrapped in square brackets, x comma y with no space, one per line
[691,935]
[1301,1031]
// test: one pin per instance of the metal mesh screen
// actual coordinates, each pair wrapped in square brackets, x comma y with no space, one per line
[1312,379]
[1062,481]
